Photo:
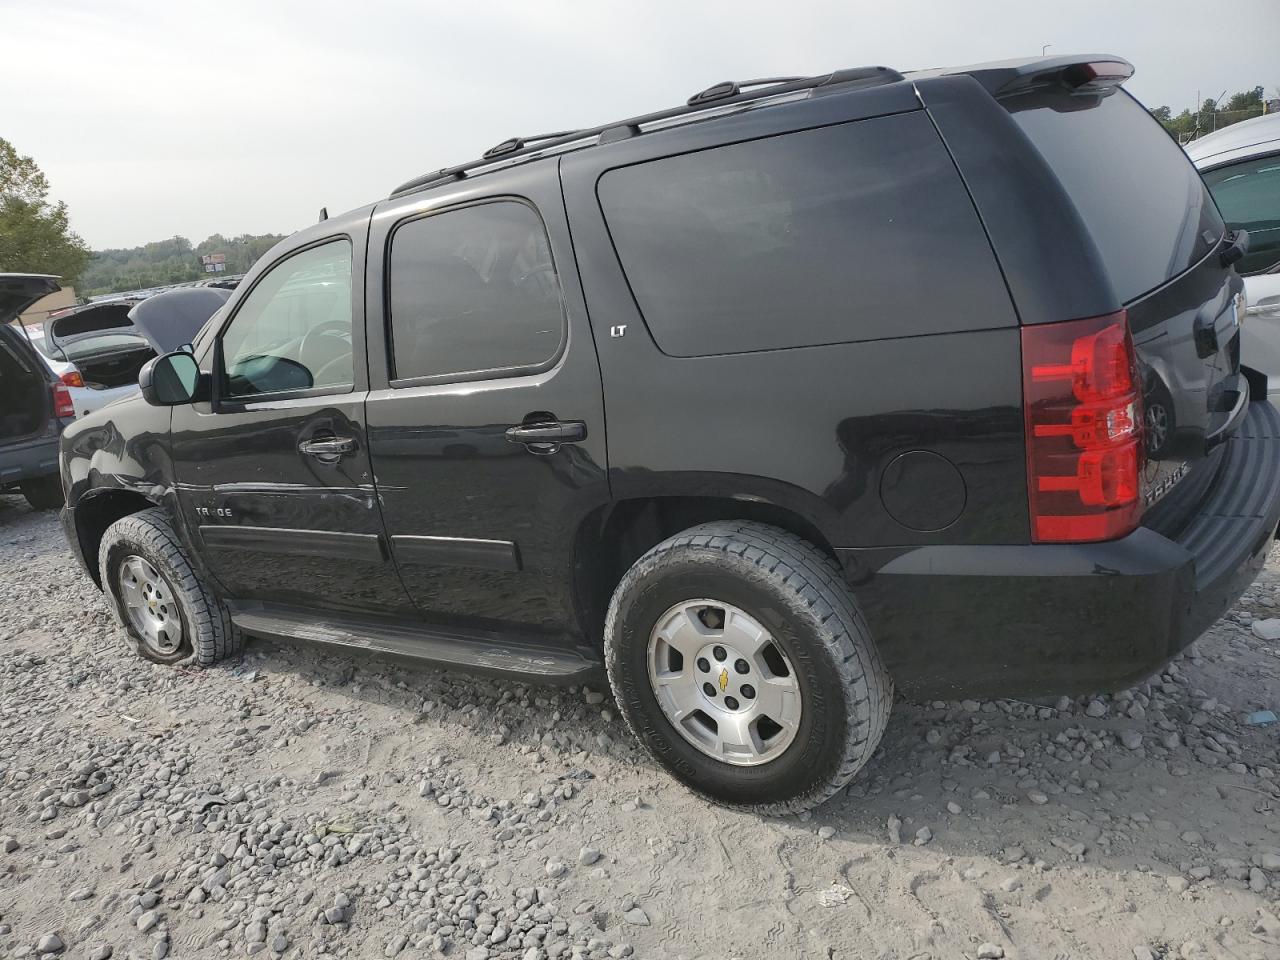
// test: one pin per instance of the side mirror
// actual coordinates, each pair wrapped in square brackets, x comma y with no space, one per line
[170,380]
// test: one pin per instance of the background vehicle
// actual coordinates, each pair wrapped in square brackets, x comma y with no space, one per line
[101,340]
[94,350]
[34,403]
[818,477]
[1241,165]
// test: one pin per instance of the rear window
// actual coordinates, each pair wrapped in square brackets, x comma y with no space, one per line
[1139,195]
[107,343]
[859,231]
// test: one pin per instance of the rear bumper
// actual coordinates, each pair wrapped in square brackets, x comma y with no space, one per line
[88,400]
[1043,619]
[29,459]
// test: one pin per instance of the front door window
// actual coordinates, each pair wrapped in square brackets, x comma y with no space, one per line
[293,331]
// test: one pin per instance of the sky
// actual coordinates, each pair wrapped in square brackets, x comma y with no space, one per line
[153,118]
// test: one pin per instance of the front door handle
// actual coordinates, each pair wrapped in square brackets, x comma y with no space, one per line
[328,449]
[546,437]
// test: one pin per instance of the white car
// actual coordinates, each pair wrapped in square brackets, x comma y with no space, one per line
[95,350]
[1241,166]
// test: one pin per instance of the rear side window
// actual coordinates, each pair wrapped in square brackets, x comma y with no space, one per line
[860,231]
[1248,195]
[1139,195]
[473,292]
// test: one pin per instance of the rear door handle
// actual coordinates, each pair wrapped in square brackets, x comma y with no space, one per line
[547,436]
[330,448]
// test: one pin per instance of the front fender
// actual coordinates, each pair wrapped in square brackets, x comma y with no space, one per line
[115,462]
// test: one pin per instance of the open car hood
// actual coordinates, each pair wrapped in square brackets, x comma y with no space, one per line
[169,320]
[20,290]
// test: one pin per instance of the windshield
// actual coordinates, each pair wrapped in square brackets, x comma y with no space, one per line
[1137,192]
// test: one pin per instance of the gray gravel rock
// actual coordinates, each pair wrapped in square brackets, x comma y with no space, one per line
[301,803]
[1268,629]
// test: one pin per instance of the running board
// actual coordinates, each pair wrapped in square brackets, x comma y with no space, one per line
[471,651]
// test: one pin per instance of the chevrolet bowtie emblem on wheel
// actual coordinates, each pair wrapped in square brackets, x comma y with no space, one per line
[724,680]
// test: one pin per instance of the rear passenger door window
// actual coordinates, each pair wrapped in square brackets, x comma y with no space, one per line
[473,294]
[858,231]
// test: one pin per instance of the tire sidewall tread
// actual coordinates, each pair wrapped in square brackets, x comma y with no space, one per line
[206,621]
[831,636]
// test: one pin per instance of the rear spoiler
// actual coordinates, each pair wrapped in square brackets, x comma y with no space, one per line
[1092,74]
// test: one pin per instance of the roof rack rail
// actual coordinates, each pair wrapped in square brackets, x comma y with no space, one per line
[518,143]
[714,97]
[731,88]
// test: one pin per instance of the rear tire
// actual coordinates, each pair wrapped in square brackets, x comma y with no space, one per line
[140,559]
[1159,422]
[733,581]
[43,493]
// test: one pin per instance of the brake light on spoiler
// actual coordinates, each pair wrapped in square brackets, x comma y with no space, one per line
[1097,74]
[1083,413]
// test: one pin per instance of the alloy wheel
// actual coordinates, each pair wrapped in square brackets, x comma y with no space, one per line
[724,682]
[150,606]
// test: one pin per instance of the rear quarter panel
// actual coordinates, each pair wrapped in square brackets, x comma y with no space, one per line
[810,429]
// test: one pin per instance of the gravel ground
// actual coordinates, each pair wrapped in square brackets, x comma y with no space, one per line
[307,804]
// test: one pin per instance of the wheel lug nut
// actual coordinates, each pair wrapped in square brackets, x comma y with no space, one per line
[709,689]
[703,665]
[748,691]
[742,666]
[731,703]
[718,653]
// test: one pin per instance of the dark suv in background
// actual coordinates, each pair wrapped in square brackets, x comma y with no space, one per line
[34,404]
[766,403]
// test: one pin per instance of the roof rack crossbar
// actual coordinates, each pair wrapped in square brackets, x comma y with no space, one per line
[714,97]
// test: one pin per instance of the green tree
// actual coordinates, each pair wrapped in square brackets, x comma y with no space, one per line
[164,262]
[1211,115]
[35,235]
[1245,100]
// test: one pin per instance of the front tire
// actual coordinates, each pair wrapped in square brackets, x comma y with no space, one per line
[169,616]
[741,662]
[43,493]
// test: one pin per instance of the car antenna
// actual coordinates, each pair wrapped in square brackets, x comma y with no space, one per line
[324,214]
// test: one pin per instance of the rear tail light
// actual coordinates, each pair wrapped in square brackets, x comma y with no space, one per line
[63,406]
[1083,416]
[72,378]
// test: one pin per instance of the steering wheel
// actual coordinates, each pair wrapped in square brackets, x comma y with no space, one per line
[320,356]
[545,269]
[327,329]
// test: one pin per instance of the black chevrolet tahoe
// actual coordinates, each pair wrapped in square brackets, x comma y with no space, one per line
[763,405]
